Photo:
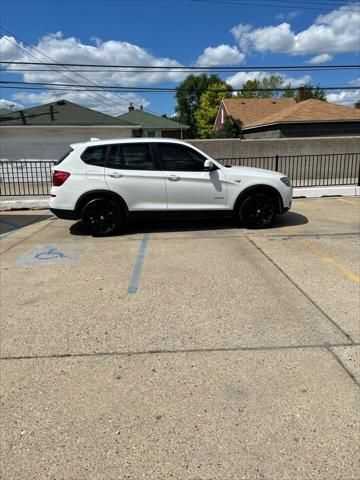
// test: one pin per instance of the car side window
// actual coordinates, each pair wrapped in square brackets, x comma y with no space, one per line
[130,156]
[178,158]
[95,155]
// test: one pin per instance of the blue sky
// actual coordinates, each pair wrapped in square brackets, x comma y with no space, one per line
[182,32]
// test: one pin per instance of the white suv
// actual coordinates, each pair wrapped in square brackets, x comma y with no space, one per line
[102,182]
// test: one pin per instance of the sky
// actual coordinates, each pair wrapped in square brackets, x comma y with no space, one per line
[239,33]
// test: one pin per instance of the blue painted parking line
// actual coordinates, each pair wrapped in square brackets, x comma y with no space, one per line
[135,277]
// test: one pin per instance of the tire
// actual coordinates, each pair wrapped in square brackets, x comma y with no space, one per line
[102,217]
[257,210]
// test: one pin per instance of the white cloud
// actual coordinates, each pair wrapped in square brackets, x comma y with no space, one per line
[322,58]
[237,80]
[72,50]
[220,55]
[344,97]
[106,102]
[355,82]
[288,16]
[10,105]
[335,32]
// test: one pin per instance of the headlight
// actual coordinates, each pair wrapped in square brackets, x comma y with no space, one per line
[285,181]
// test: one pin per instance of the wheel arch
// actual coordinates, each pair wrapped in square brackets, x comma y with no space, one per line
[260,188]
[91,195]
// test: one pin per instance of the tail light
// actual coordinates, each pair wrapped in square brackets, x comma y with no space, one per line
[59,177]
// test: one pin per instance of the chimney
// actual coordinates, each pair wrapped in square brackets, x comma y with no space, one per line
[131,107]
[22,117]
[357,104]
[301,94]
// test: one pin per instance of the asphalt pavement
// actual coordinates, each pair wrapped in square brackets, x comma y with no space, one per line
[182,349]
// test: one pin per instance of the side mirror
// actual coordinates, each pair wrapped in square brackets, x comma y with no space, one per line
[209,165]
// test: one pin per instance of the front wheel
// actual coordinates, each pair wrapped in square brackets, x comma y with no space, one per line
[101,217]
[257,210]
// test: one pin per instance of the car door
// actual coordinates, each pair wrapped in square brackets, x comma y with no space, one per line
[188,185]
[132,172]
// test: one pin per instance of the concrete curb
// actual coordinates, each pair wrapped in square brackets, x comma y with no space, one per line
[317,192]
[307,192]
[24,204]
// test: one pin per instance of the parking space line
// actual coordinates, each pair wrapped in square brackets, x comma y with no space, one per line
[135,277]
[346,201]
[329,259]
[301,290]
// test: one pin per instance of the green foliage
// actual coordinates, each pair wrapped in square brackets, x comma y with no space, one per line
[208,107]
[250,89]
[229,129]
[188,95]
[274,82]
[310,91]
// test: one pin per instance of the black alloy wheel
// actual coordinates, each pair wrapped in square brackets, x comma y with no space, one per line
[257,210]
[102,217]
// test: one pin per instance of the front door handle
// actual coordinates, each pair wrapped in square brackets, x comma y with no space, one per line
[173,178]
[115,175]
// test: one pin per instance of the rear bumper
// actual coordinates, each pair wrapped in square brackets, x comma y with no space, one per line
[64,214]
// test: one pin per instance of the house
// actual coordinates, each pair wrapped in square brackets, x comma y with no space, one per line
[284,118]
[46,131]
[154,125]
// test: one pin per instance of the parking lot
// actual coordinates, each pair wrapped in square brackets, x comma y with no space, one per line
[182,349]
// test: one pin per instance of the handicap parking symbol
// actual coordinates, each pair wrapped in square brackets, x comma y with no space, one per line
[46,255]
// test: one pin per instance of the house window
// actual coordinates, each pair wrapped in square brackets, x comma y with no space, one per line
[222,115]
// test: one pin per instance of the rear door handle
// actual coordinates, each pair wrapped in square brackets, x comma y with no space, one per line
[115,175]
[173,178]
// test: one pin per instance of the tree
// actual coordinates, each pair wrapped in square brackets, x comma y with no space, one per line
[308,91]
[229,129]
[188,95]
[264,88]
[208,108]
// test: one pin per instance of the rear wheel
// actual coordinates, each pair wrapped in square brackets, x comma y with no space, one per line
[257,210]
[102,216]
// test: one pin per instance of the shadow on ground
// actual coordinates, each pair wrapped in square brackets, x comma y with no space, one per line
[11,222]
[184,224]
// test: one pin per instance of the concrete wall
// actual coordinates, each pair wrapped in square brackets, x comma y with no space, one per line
[21,143]
[237,148]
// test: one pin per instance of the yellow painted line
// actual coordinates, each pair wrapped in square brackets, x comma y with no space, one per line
[330,260]
[346,201]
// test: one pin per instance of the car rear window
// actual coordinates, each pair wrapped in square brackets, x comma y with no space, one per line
[61,159]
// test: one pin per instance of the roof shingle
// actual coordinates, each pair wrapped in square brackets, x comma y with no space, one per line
[148,120]
[251,110]
[60,113]
[311,110]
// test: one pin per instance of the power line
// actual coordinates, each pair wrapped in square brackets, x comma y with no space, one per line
[268,5]
[146,68]
[78,74]
[54,70]
[110,88]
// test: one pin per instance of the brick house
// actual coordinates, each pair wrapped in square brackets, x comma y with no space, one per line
[284,118]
